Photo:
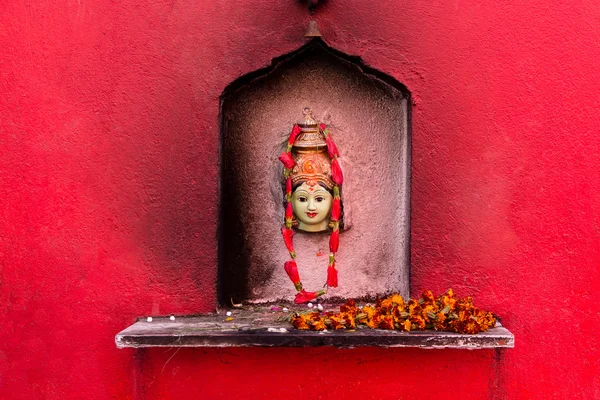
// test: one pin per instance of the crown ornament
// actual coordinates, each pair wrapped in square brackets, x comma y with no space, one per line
[312,163]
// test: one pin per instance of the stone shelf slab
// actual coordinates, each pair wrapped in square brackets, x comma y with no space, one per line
[262,327]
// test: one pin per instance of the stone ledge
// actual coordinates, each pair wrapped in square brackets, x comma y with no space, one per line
[261,327]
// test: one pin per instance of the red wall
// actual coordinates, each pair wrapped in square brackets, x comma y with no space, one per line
[108,187]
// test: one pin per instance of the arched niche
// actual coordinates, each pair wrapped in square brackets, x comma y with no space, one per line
[368,113]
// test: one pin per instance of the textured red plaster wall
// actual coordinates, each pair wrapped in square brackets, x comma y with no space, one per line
[108,186]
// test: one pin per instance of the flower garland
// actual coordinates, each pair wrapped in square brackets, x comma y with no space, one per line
[291,268]
[444,313]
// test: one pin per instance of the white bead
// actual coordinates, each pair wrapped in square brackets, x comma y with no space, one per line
[172,318]
[320,307]
[228,313]
[285,309]
[310,305]
[149,319]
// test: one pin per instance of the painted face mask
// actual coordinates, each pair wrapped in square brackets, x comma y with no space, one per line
[312,207]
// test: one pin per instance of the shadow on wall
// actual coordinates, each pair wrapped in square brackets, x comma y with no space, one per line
[369,114]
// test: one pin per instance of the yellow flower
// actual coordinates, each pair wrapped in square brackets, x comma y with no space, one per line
[370,311]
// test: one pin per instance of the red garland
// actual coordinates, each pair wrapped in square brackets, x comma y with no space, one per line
[291,268]
[295,131]
[336,172]
[288,235]
[287,160]
[332,277]
[334,240]
[303,296]
[331,148]
[336,210]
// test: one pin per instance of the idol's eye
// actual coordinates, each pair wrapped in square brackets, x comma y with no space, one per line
[319,199]
[302,199]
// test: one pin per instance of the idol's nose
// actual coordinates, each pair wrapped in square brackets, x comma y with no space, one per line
[311,205]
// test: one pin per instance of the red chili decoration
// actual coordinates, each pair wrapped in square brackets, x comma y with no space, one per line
[331,147]
[334,240]
[304,297]
[288,234]
[295,131]
[322,127]
[289,211]
[332,276]
[288,186]
[336,172]
[287,160]
[336,210]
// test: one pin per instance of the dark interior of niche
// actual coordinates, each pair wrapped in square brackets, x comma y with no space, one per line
[233,253]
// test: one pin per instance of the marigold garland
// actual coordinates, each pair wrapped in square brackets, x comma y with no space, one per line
[444,313]
[291,267]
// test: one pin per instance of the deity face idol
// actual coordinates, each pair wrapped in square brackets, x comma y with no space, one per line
[312,205]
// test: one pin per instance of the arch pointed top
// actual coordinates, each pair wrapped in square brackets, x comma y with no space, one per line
[315,45]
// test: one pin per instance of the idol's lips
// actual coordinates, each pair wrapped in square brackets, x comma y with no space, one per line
[311,215]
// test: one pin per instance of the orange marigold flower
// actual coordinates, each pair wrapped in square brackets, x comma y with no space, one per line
[349,307]
[470,327]
[489,319]
[370,311]
[448,299]
[428,312]
[299,322]
[318,324]
[465,304]
[444,313]
[398,300]
[387,322]
[399,315]
[336,321]
[414,308]
[373,322]
[385,305]
[441,317]
[349,320]
[428,296]
[418,321]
